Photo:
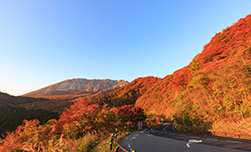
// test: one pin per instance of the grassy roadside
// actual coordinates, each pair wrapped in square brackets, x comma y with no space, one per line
[225,128]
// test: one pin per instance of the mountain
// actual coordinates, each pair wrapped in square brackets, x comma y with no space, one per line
[13,111]
[78,87]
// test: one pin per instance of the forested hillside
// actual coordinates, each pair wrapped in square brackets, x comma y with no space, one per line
[213,88]
[127,94]
[86,125]
[12,112]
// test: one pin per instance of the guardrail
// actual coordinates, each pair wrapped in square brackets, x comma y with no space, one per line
[119,147]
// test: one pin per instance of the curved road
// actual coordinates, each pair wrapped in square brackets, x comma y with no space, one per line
[165,138]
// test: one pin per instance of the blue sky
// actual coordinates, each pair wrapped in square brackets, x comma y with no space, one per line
[44,42]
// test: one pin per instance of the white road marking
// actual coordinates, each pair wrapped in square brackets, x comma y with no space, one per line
[192,141]
[129,146]
[133,138]
[188,145]
[211,139]
[236,142]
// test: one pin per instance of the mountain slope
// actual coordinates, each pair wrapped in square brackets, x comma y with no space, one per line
[12,111]
[215,86]
[127,94]
[78,87]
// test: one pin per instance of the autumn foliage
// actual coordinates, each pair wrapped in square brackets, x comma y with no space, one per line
[214,87]
[82,118]
[127,94]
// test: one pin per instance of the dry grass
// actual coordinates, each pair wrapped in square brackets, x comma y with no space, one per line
[235,129]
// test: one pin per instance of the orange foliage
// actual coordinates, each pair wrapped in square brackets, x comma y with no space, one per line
[214,86]
[81,118]
[127,94]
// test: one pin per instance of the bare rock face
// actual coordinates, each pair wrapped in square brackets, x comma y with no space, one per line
[78,86]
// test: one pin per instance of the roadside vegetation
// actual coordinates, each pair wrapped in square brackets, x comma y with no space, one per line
[85,126]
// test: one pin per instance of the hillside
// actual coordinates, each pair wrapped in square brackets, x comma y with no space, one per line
[78,88]
[213,88]
[127,94]
[13,112]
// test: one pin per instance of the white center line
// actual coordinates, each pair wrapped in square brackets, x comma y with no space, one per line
[231,141]
[211,139]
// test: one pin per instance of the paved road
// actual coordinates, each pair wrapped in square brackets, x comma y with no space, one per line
[164,139]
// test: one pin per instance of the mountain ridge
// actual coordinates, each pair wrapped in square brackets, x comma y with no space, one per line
[77,86]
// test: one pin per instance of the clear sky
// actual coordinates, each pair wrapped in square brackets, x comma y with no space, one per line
[46,41]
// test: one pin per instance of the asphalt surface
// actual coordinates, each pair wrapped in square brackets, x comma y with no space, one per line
[165,138]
